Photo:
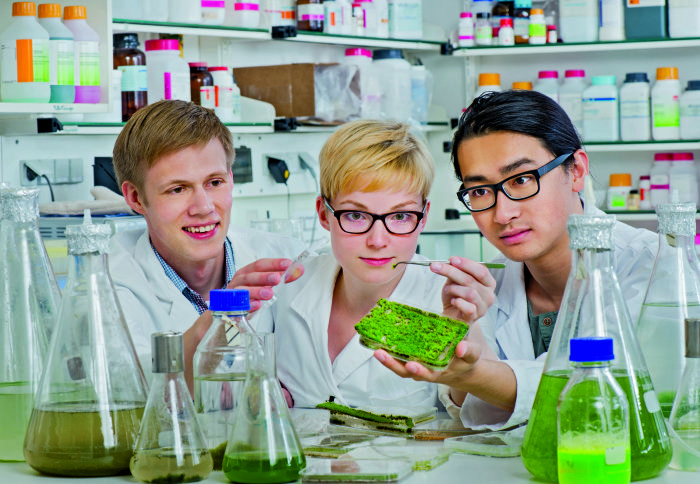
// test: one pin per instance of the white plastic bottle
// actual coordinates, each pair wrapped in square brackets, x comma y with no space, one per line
[537,27]
[168,73]
[612,20]
[213,12]
[690,111]
[24,58]
[600,110]
[245,14]
[578,20]
[87,55]
[683,18]
[421,92]
[484,32]
[395,73]
[370,86]
[61,54]
[635,119]
[155,10]
[465,30]
[571,95]
[128,9]
[488,81]
[644,192]
[665,104]
[371,19]
[224,94]
[185,11]
[381,8]
[682,177]
[506,34]
[548,83]
[332,17]
[406,19]
[659,183]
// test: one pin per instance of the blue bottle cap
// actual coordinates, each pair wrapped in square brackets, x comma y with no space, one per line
[224,300]
[636,77]
[595,348]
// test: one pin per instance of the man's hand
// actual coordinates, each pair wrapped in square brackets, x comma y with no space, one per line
[469,290]
[261,276]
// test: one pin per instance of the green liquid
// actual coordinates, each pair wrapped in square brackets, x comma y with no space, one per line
[162,466]
[650,444]
[666,402]
[255,467]
[16,402]
[587,466]
[70,440]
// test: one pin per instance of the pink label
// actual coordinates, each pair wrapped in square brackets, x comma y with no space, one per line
[312,17]
[246,6]
[660,187]
[167,86]
[214,3]
[463,37]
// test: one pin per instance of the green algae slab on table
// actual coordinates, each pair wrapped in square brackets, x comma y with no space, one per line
[411,334]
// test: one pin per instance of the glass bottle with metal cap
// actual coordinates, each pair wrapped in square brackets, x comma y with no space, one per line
[593,305]
[92,393]
[685,415]
[672,296]
[220,367]
[171,446]
[29,299]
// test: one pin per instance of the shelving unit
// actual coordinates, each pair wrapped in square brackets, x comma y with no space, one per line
[654,146]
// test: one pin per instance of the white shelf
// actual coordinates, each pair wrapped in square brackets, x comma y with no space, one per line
[366,42]
[190,29]
[46,108]
[642,146]
[581,47]
[116,128]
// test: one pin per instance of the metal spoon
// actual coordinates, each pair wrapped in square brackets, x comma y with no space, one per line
[490,265]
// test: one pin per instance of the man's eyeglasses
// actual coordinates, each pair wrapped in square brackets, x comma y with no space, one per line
[359,222]
[517,187]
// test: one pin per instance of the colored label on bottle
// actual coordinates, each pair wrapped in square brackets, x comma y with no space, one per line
[645,3]
[28,58]
[213,4]
[134,78]
[87,66]
[666,113]
[634,108]
[311,11]
[61,62]
[167,85]
[207,97]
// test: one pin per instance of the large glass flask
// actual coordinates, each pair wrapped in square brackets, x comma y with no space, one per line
[593,305]
[263,446]
[89,404]
[220,367]
[593,419]
[673,294]
[685,416]
[29,299]
[171,446]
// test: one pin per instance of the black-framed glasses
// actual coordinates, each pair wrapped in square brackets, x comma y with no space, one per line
[359,222]
[517,187]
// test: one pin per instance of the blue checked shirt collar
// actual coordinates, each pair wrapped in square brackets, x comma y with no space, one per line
[192,296]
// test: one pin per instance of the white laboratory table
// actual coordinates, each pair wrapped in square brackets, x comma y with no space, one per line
[461,468]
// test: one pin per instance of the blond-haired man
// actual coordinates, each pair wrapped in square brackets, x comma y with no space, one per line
[173,162]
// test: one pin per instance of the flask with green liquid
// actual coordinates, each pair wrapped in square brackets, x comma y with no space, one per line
[672,296]
[593,305]
[263,446]
[593,419]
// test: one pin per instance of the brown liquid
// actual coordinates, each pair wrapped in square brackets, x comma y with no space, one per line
[70,441]
[131,100]
[162,465]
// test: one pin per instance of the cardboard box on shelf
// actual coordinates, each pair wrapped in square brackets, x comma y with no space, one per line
[291,88]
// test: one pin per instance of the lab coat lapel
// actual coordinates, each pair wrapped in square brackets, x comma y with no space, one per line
[160,284]
[512,331]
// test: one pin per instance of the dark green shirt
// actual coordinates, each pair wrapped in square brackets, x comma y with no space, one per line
[541,327]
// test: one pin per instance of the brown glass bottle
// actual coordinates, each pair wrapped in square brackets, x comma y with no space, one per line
[132,62]
[199,76]
[310,15]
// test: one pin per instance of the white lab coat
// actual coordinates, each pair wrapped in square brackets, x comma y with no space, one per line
[507,330]
[300,317]
[149,299]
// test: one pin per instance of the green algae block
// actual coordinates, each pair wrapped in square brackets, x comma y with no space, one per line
[411,334]
[401,419]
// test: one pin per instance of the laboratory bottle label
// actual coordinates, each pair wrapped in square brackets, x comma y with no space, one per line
[572,104]
[666,112]
[691,110]
[134,78]
[25,60]
[310,11]
[599,108]
[634,108]
[175,84]
[87,63]
[616,455]
[575,8]
[61,62]
[206,97]
[405,16]
[645,3]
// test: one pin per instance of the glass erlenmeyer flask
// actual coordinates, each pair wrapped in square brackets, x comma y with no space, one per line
[263,446]
[220,367]
[685,416]
[673,294]
[29,299]
[171,446]
[92,394]
[593,305]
